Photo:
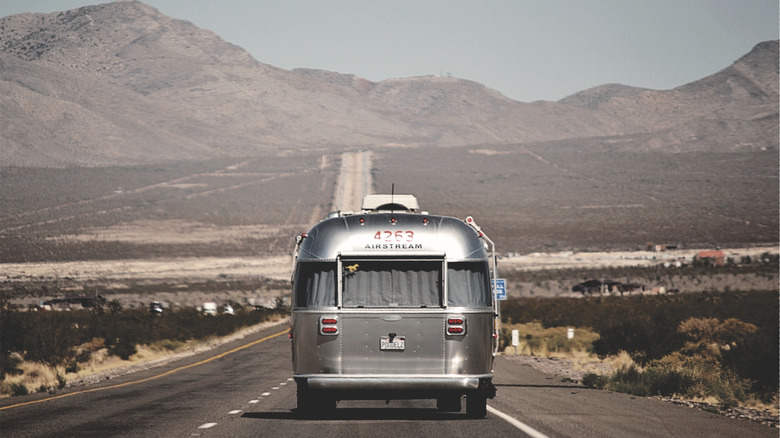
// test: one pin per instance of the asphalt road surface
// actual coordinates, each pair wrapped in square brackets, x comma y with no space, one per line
[245,389]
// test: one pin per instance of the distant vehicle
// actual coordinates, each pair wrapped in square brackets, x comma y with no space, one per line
[156,308]
[209,308]
[393,303]
[227,309]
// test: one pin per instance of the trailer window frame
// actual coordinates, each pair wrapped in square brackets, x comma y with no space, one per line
[318,276]
[468,284]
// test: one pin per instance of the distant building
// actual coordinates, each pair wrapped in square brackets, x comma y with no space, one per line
[716,257]
[659,247]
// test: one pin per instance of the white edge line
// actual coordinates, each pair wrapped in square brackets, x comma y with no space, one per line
[528,430]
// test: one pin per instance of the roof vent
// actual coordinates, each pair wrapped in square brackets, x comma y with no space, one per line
[399,203]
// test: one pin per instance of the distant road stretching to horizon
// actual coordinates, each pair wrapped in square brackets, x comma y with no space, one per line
[354,181]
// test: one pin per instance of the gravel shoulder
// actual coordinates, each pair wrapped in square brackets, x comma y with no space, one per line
[574,370]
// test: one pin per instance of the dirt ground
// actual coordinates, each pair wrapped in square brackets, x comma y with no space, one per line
[241,278]
[280,267]
[568,260]
[180,280]
[191,269]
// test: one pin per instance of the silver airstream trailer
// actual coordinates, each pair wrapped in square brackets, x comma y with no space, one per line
[393,303]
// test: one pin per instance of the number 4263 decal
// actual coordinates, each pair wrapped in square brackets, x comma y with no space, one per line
[394,236]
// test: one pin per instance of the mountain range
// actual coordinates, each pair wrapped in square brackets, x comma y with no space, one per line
[122,84]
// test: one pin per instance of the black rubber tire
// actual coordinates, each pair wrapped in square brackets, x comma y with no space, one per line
[313,404]
[449,404]
[476,405]
[305,408]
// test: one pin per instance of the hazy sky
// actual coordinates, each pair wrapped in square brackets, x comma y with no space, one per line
[527,50]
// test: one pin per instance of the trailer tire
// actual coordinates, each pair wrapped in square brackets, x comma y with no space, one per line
[312,404]
[449,404]
[476,405]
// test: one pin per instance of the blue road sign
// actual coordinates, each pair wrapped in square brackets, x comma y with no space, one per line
[499,288]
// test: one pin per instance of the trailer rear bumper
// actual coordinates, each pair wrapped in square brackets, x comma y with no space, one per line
[394,383]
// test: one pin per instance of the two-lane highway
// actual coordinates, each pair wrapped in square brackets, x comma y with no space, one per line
[244,389]
[173,400]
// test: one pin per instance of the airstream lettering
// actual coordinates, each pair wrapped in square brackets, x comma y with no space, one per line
[394,246]
[393,303]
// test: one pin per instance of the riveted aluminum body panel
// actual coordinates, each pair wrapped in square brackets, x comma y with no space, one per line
[423,352]
[312,352]
[429,351]
[471,353]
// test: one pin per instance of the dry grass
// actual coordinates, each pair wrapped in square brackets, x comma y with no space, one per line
[535,340]
[576,354]
[620,361]
[38,377]
[773,407]
[35,376]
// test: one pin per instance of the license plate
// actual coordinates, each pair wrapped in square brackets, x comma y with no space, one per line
[398,343]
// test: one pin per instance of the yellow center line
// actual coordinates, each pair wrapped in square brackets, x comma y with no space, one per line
[148,379]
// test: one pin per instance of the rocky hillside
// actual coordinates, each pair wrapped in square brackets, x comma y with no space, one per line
[121,83]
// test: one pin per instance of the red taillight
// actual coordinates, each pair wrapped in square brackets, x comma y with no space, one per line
[456,325]
[329,325]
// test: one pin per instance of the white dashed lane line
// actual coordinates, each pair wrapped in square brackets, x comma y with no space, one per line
[251,402]
[513,421]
